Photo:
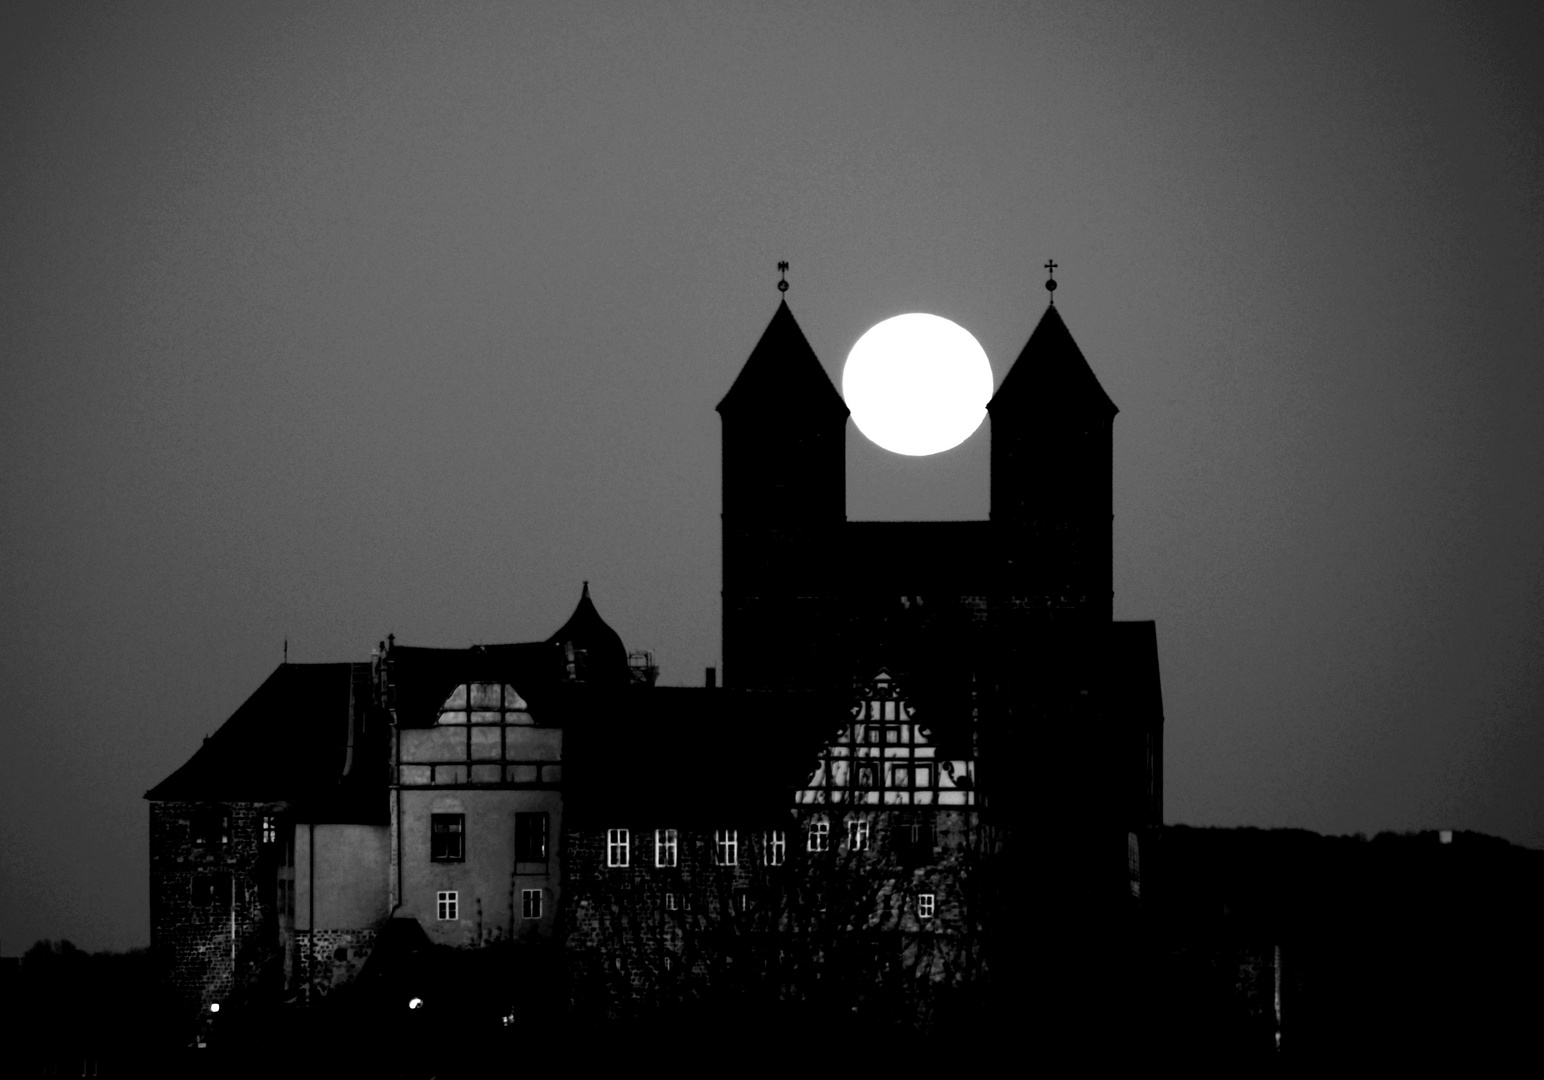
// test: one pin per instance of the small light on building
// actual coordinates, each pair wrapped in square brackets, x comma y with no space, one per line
[1445,836]
[415,1003]
[214,1006]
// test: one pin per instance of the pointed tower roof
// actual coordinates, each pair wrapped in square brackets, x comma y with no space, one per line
[586,633]
[782,371]
[1051,371]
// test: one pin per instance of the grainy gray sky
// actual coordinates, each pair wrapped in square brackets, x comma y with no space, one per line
[324,321]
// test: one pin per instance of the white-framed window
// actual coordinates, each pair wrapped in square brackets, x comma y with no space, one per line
[670,901]
[270,830]
[530,903]
[925,905]
[447,906]
[665,847]
[775,847]
[818,837]
[618,847]
[726,847]
[858,834]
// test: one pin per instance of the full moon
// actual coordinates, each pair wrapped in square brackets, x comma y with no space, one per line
[917,384]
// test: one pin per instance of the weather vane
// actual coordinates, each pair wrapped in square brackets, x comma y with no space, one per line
[782,286]
[1050,283]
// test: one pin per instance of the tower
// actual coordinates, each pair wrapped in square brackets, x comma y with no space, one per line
[1051,478]
[785,495]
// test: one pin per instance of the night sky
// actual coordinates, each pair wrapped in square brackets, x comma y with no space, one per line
[322,322]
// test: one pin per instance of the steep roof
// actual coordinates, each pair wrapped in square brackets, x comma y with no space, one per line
[288,741]
[422,678]
[783,371]
[1051,373]
[584,650]
[586,634]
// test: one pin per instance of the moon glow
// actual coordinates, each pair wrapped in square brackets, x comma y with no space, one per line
[917,384]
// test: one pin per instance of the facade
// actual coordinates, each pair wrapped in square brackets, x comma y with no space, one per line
[912,714]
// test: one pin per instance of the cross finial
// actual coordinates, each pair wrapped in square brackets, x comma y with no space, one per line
[782,267]
[1050,284]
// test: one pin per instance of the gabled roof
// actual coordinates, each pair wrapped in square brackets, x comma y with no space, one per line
[782,373]
[288,741]
[1051,374]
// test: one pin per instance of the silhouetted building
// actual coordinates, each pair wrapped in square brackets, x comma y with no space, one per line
[935,761]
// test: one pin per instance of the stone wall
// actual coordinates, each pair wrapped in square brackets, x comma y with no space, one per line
[328,960]
[213,900]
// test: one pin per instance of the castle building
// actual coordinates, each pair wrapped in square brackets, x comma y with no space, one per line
[930,752]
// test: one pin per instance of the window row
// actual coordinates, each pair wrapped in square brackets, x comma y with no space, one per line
[774,843]
[447,904]
[741,901]
[211,828]
[447,837]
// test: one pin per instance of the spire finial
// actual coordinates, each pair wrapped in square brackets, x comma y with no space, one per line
[782,267]
[1050,284]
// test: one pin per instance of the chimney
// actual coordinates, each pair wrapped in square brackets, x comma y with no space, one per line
[712,678]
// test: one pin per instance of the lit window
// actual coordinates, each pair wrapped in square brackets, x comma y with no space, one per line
[858,834]
[900,776]
[819,836]
[670,902]
[446,835]
[775,844]
[925,905]
[531,837]
[530,903]
[270,830]
[726,847]
[447,907]
[617,847]
[868,774]
[665,847]
[484,703]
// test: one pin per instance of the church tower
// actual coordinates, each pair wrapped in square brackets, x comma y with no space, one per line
[1051,479]
[785,501]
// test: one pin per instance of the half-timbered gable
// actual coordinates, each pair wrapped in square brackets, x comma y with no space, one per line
[884,756]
